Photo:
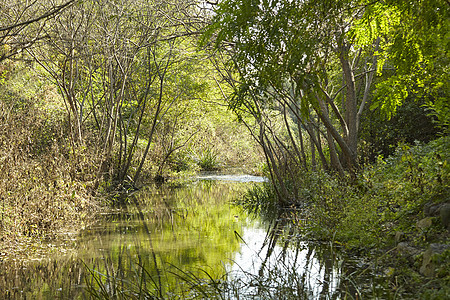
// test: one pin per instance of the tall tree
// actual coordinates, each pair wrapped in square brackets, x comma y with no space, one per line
[300,53]
[323,57]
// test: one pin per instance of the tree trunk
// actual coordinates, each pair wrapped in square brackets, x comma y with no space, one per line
[351,107]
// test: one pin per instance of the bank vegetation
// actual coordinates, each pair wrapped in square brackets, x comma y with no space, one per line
[346,104]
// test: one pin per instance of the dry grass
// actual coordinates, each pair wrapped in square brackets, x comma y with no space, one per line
[44,188]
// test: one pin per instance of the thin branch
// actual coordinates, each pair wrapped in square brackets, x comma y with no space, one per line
[44,16]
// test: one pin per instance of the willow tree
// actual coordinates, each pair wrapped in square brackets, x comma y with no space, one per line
[301,55]
[321,58]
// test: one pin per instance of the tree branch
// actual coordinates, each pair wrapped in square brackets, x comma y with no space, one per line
[44,16]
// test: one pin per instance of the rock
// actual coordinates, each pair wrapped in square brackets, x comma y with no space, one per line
[405,249]
[429,262]
[441,210]
[431,209]
[445,215]
[424,223]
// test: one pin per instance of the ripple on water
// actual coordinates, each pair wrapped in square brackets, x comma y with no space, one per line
[234,178]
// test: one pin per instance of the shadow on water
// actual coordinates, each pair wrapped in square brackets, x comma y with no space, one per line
[186,243]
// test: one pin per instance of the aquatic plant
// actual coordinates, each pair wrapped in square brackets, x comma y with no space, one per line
[208,160]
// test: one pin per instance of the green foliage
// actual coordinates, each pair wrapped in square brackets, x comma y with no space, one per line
[385,198]
[261,201]
[416,48]
[433,294]
[207,159]
[389,95]
[410,123]
[267,49]
[377,21]
[364,214]
[282,53]
[390,196]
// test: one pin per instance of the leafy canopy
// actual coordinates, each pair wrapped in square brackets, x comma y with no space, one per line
[278,41]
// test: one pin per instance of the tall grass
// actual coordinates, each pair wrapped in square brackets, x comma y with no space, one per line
[260,201]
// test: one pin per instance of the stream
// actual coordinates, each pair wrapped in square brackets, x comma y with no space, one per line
[180,240]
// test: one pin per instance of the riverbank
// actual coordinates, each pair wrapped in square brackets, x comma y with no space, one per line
[43,193]
[394,216]
[51,186]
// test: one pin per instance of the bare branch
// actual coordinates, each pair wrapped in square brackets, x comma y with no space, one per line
[50,13]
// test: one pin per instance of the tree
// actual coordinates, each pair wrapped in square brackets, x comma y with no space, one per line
[316,63]
[324,56]
[111,61]
[300,54]
[22,22]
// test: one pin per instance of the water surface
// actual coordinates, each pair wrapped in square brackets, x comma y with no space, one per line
[179,236]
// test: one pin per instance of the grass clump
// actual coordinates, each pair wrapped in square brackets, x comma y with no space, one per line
[207,159]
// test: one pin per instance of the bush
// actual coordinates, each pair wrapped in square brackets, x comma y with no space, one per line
[364,214]
[386,197]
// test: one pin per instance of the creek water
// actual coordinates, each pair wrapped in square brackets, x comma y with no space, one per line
[179,239]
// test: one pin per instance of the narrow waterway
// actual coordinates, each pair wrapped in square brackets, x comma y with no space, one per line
[183,243]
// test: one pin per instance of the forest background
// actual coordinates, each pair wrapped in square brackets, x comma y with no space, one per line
[346,102]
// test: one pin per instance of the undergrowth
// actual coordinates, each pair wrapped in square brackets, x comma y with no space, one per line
[383,206]
[44,189]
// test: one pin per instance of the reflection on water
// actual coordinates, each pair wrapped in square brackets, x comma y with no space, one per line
[290,267]
[188,233]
